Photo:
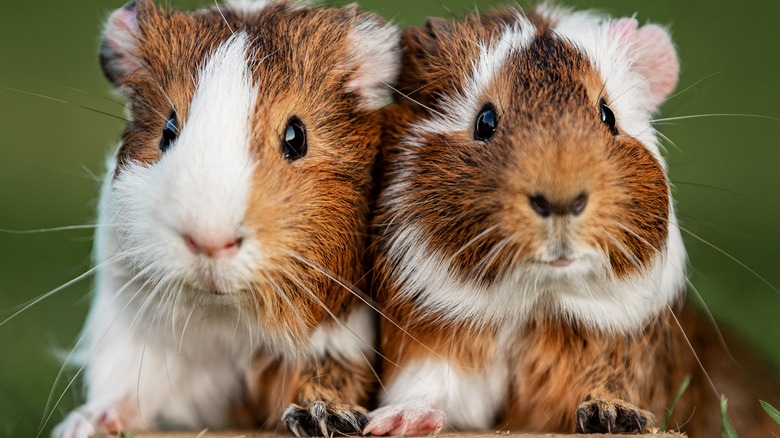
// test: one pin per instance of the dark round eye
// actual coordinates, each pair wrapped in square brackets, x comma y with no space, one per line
[487,121]
[170,132]
[294,142]
[608,117]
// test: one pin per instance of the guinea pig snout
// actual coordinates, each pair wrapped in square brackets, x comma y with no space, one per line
[545,205]
[212,246]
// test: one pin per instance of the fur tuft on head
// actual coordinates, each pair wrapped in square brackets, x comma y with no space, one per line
[374,56]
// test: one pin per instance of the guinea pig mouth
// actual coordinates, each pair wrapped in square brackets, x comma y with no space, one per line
[560,262]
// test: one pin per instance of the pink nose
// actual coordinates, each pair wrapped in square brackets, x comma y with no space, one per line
[216,249]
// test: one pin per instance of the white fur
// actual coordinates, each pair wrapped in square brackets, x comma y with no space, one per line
[354,339]
[469,398]
[581,293]
[155,339]
[375,48]
[247,6]
[628,90]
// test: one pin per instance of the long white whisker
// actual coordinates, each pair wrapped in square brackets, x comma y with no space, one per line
[49,230]
[232,32]
[342,325]
[359,295]
[94,347]
[471,242]
[698,116]
[187,323]
[59,288]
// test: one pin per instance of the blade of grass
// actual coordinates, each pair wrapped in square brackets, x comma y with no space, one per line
[680,391]
[774,413]
[726,427]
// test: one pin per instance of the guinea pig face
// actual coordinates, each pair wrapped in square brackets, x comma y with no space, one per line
[243,175]
[534,178]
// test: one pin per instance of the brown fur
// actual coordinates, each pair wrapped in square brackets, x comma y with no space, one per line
[311,214]
[456,188]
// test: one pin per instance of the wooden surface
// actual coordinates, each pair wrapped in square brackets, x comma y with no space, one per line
[251,434]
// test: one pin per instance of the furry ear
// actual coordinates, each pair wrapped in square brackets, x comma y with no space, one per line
[374,55]
[118,56]
[424,41]
[652,54]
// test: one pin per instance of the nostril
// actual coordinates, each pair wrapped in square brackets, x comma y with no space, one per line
[230,249]
[578,205]
[540,205]
[191,245]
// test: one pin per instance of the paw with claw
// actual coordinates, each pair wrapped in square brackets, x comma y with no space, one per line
[610,416]
[325,419]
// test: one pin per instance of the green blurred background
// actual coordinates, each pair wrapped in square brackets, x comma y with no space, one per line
[725,169]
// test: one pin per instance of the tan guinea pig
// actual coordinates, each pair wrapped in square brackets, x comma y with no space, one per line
[233,218]
[529,256]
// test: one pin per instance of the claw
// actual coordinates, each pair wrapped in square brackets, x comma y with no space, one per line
[293,427]
[349,418]
[581,421]
[323,427]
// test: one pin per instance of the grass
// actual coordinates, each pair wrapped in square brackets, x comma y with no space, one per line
[680,391]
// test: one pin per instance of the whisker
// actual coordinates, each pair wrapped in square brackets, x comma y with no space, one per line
[721,251]
[470,242]
[89,93]
[216,3]
[360,295]
[49,230]
[94,347]
[417,102]
[53,99]
[187,322]
[692,85]
[698,116]
[335,319]
[59,288]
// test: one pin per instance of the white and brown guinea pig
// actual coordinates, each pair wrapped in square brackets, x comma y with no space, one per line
[529,257]
[233,218]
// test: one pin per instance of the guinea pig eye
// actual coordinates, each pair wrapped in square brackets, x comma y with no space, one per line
[170,132]
[486,125]
[608,117]
[294,142]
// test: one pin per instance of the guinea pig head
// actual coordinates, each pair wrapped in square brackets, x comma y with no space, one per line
[531,176]
[244,173]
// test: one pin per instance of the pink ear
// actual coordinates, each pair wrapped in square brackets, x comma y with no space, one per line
[117,53]
[652,53]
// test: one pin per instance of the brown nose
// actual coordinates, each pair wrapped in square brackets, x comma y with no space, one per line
[545,207]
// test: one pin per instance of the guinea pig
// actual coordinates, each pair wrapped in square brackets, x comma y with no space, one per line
[528,256]
[232,220]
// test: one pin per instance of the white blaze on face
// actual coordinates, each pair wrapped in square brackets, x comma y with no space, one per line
[459,111]
[200,187]
[209,168]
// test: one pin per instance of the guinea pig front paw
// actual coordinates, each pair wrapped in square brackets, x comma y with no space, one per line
[405,421]
[610,416]
[77,425]
[323,418]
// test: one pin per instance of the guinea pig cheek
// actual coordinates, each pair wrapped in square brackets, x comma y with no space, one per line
[630,226]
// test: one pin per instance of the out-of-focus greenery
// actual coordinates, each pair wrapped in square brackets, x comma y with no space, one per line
[725,169]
